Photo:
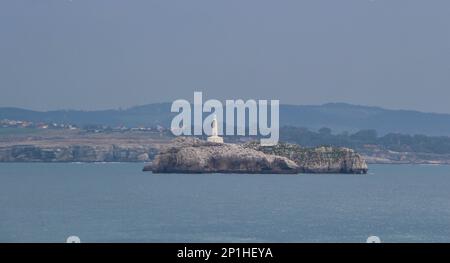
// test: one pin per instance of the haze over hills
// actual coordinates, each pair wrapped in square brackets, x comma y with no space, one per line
[339,117]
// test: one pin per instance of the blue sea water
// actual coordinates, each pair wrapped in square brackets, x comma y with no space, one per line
[116,202]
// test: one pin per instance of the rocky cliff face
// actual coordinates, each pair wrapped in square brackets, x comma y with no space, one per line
[191,155]
[75,153]
[317,160]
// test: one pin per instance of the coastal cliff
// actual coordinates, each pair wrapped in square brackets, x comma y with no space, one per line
[32,145]
[76,153]
[76,146]
[191,155]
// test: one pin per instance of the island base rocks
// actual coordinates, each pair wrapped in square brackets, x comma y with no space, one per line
[192,155]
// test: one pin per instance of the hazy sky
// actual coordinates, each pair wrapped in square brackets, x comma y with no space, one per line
[107,54]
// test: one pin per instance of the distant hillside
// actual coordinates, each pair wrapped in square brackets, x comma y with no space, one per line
[346,117]
[337,116]
[148,115]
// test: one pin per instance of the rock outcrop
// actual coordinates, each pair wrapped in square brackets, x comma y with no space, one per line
[191,155]
[317,160]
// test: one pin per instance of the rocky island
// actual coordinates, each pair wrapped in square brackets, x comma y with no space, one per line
[192,155]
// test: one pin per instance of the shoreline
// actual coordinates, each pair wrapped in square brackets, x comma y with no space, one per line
[145,163]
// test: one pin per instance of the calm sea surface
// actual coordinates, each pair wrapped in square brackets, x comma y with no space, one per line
[119,203]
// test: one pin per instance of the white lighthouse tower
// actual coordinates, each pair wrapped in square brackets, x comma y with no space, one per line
[215,132]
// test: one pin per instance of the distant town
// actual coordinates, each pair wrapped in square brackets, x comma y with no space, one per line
[6,123]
